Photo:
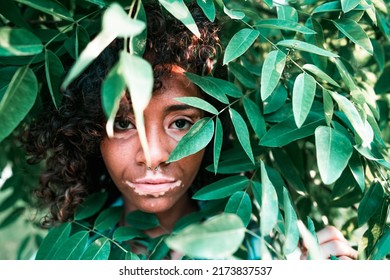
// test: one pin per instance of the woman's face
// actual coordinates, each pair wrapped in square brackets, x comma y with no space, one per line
[163,185]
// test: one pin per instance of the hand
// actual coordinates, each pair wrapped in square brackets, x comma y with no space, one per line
[332,242]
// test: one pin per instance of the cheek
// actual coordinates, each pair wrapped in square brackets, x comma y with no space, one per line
[192,164]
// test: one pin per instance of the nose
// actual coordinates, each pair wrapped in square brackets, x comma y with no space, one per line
[159,149]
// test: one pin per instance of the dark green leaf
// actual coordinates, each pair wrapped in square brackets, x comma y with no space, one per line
[370,203]
[92,204]
[18,100]
[108,218]
[210,86]
[53,240]
[54,74]
[255,117]
[216,238]
[356,166]
[240,204]
[128,233]
[73,247]
[239,44]
[12,217]
[271,72]
[243,75]
[141,220]
[382,248]
[222,188]
[348,5]
[6,74]
[208,8]
[328,106]
[98,250]
[18,42]
[197,138]
[242,133]
[50,7]
[276,100]
[218,138]
[291,225]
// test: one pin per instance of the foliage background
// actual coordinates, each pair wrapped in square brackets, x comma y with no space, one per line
[308,95]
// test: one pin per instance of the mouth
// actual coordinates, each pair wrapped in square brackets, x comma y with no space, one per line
[153,186]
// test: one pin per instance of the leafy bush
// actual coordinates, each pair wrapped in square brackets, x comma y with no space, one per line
[307,95]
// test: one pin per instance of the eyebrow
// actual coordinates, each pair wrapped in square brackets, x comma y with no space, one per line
[180,107]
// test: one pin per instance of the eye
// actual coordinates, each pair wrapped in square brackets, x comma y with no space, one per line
[181,124]
[121,125]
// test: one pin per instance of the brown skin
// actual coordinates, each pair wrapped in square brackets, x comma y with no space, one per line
[165,191]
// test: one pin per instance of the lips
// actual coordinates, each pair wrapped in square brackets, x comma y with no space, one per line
[153,186]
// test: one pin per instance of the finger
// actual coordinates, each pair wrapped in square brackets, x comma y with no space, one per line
[338,248]
[330,233]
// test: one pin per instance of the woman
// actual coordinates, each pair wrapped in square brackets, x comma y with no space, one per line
[81,159]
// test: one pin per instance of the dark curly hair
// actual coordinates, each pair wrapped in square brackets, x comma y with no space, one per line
[68,138]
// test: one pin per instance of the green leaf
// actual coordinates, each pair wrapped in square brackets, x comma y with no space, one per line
[198,103]
[128,233]
[291,225]
[98,250]
[282,24]
[286,131]
[382,248]
[180,11]
[303,46]
[141,220]
[239,44]
[6,74]
[328,106]
[355,33]
[233,14]
[18,100]
[222,188]
[276,100]
[271,72]
[334,6]
[54,74]
[139,78]
[18,42]
[73,248]
[356,166]
[218,138]
[313,248]
[269,204]
[349,5]
[216,238]
[211,86]
[208,8]
[319,73]
[371,202]
[303,96]
[50,7]
[92,204]
[243,75]
[362,127]
[138,42]
[240,204]
[53,240]
[197,138]
[255,117]
[108,218]
[242,133]
[333,150]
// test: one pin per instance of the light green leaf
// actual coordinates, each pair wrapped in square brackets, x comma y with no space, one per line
[291,225]
[198,103]
[51,7]
[98,250]
[208,8]
[141,220]
[54,74]
[286,131]
[222,188]
[17,100]
[371,202]
[328,106]
[362,127]
[212,86]
[239,44]
[334,6]
[283,25]
[255,117]
[216,238]
[18,42]
[52,241]
[241,205]
[269,204]
[218,138]
[355,33]
[314,250]
[197,138]
[333,150]
[233,14]
[303,96]
[242,133]
[319,73]
[382,247]
[349,5]
[139,78]
[108,218]
[73,247]
[92,204]
[303,46]
[180,11]
[345,75]
[271,72]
